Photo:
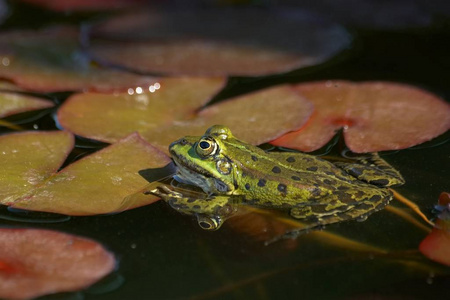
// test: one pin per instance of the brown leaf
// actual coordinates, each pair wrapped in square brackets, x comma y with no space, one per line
[28,60]
[37,262]
[246,41]
[96,184]
[13,103]
[375,116]
[110,117]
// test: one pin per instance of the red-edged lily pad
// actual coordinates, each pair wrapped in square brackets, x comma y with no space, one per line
[36,262]
[436,246]
[375,116]
[13,103]
[246,42]
[256,118]
[174,111]
[84,5]
[51,60]
[95,184]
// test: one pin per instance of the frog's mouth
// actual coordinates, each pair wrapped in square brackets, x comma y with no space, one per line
[192,174]
[189,176]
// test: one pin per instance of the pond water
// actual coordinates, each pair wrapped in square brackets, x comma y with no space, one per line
[165,255]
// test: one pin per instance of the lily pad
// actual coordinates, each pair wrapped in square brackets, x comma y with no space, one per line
[110,117]
[28,159]
[36,262]
[95,184]
[436,246]
[374,116]
[246,41]
[256,118]
[13,103]
[51,60]
[175,110]
[6,86]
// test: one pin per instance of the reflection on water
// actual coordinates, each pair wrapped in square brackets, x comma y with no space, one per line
[164,255]
[25,216]
[108,284]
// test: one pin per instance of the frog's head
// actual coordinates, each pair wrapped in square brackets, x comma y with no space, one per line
[202,161]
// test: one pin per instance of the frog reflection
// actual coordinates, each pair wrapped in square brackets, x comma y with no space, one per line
[232,172]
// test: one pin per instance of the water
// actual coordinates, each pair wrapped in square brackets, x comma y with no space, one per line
[164,255]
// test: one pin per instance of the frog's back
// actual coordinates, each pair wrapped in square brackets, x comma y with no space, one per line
[287,179]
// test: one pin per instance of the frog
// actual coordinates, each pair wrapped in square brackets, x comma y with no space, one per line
[232,173]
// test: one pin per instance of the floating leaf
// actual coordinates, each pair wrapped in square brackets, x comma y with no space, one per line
[8,86]
[436,246]
[375,116]
[36,262]
[256,118]
[27,59]
[13,103]
[108,117]
[169,113]
[28,158]
[246,42]
[84,5]
[95,184]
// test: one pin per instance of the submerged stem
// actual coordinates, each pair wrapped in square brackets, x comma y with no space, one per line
[411,205]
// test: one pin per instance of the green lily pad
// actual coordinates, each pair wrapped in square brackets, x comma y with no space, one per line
[29,61]
[246,41]
[110,117]
[36,262]
[374,116]
[95,184]
[175,110]
[9,86]
[256,118]
[28,159]
[13,103]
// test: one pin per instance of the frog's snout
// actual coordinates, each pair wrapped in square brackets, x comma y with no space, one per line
[177,143]
[182,142]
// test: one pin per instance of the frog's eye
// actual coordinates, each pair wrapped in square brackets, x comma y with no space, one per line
[206,147]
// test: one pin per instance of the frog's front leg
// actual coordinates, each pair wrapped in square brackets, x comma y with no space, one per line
[373,170]
[211,210]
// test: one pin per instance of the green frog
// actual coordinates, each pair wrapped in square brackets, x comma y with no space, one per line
[232,173]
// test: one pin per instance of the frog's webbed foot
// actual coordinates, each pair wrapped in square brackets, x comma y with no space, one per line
[164,193]
[314,217]
[359,212]
[211,210]
[373,170]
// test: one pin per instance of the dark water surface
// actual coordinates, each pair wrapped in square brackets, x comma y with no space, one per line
[164,255]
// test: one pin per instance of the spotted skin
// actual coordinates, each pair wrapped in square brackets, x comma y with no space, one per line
[232,172]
